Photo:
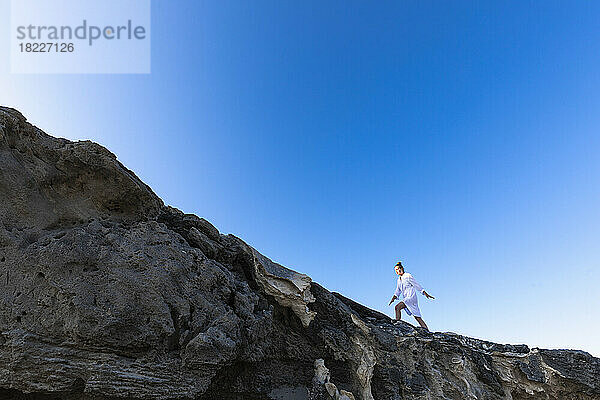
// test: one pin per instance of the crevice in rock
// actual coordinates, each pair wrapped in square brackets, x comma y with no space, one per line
[173,339]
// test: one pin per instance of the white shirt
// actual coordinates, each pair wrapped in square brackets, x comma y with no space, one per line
[407,286]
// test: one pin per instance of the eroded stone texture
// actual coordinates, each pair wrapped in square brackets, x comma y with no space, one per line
[109,294]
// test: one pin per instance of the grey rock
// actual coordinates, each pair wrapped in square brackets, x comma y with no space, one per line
[109,294]
[345,395]
[321,372]
[332,390]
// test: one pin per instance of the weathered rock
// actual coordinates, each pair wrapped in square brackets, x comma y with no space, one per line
[108,294]
[321,372]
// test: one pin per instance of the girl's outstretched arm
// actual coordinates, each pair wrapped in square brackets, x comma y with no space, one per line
[419,287]
[396,293]
[392,300]
[415,284]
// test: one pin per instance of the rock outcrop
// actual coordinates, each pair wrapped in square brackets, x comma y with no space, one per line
[109,294]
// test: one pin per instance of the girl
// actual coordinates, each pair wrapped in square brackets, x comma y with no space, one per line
[408,286]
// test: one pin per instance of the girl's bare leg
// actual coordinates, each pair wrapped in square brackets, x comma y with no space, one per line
[421,322]
[399,308]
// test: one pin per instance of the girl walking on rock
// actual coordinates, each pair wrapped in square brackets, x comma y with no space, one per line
[408,286]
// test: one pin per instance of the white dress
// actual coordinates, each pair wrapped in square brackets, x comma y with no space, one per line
[408,286]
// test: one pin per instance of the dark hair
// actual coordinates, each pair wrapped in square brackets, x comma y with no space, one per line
[399,263]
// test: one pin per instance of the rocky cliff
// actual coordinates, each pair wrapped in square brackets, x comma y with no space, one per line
[109,294]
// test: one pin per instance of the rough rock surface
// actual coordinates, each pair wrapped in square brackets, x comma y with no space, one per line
[109,294]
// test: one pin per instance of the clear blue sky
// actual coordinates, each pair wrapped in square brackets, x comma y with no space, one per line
[338,137]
